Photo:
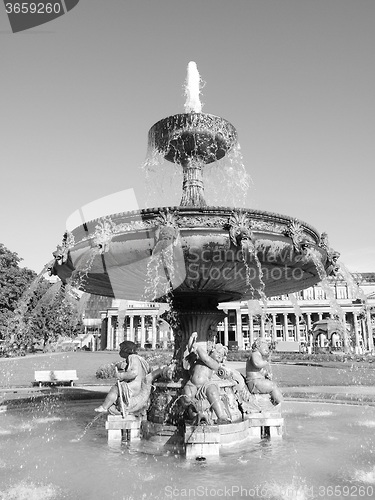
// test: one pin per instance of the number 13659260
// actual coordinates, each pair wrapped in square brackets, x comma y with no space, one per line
[33,8]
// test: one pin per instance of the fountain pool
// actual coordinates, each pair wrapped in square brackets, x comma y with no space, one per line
[46,454]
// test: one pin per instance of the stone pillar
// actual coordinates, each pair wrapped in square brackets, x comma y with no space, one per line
[369,330]
[274,328]
[262,332]
[109,333]
[143,332]
[131,328]
[285,326]
[297,339]
[364,334]
[154,332]
[239,329]
[251,330]
[320,316]
[309,322]
[123,330]
[226,337]
[345,339]
[356,333]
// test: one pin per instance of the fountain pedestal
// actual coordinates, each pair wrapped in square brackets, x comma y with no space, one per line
[206,441]
[123,428]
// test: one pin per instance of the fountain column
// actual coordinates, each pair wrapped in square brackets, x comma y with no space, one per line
[192,186]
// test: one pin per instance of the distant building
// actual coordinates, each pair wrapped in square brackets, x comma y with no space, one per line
[307,318]
[113,320]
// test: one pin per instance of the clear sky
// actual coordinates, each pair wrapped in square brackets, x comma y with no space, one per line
[295,77]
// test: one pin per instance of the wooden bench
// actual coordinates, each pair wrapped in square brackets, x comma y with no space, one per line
[55,377]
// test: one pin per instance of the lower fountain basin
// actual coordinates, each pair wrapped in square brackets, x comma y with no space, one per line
[46,453]
[208,252]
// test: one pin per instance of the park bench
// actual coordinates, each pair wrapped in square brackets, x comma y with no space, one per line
[55,377]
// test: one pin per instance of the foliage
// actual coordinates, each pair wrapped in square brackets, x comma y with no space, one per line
[13,283]
[106,371]
[32,310]
[53,315]
[154,359]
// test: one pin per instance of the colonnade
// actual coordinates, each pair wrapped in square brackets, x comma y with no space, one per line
[242,328]
[137,323]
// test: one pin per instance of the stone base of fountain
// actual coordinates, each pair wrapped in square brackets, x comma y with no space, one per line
[123,428]
[195,441]
[205,441]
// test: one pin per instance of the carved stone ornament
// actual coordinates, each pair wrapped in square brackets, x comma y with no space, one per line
[296,233]
[103,234]
[203,221]
[62,251]
[324,242]
[167,227]
[270,227]
[63,265]
[332,255]
[135,225]
[239,228]
[332,258]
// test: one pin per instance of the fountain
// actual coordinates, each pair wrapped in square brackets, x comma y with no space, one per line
[195,256]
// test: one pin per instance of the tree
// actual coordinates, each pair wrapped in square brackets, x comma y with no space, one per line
[53,318]
[13,283]
[31,308]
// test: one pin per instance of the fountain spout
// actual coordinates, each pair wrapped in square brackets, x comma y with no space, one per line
[192,89]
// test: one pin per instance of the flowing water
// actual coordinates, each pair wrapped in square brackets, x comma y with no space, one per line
[326,448]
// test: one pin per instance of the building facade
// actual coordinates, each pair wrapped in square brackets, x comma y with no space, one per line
[306,319]
[139,322]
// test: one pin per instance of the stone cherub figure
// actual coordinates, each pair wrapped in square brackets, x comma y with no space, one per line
[134,382]
[201,391]
[258,373]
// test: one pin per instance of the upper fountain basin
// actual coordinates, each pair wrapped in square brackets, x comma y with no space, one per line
[183,137]
[212,251]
